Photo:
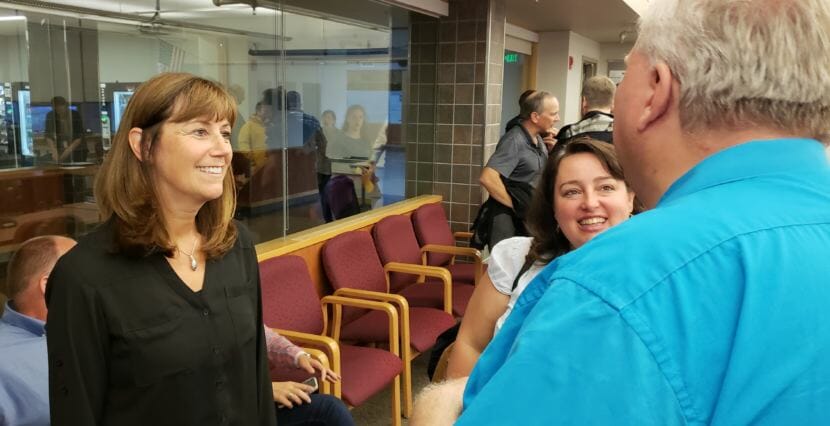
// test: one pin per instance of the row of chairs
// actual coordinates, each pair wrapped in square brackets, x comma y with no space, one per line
[395,291]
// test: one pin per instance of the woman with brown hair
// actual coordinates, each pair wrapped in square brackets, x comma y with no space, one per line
[582,192]
[155,316]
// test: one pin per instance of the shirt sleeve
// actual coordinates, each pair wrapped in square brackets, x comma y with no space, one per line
[506,261]
[280,349]
[505,158]
[574,361]
[77,338]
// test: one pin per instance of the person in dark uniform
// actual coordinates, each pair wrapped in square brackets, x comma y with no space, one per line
[155,317]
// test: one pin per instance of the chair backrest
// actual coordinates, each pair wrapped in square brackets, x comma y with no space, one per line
[341,197]
[351,261]
[396,242]
[289,299]
[431,227]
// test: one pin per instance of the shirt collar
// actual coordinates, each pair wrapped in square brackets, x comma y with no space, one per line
[747,160]
[529,138]
[16,319]
[593,113]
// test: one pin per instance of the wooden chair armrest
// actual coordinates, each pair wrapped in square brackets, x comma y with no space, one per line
[338,301]
[462,235]
[429,271]
[396,300]
[453,250]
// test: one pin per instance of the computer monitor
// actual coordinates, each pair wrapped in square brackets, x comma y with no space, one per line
[119,104]
[24,116]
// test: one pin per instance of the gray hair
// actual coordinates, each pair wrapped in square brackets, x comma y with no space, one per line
[745,62]
[535,102]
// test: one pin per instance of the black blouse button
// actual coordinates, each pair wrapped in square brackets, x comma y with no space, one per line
[58,363]
[205,312]
[64,390]
[215,350]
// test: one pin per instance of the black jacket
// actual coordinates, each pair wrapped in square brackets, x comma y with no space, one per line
[484,227]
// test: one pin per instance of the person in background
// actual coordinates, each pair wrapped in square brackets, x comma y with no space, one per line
[251,142]
[238,94]
[582,192]
[597,121]
[24,369]
[354,141]
[711,307]
[65,132]
[512,171]
[330,135]
[155,316]
[515,121]
[296,405]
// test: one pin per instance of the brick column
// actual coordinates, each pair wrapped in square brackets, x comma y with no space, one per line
[455,88]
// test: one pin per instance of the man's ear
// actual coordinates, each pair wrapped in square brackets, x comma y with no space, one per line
[584,106]
[135,142]
[660,95]
[42,283]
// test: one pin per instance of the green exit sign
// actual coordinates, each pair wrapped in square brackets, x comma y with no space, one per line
[511,58]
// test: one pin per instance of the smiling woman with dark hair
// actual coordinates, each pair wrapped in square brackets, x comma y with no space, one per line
[581,193]
[155,317]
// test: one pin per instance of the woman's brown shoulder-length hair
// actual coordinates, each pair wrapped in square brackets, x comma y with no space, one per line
[124,187]
[548,240]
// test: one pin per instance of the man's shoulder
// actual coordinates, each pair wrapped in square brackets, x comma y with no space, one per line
[515,134]
[630,259]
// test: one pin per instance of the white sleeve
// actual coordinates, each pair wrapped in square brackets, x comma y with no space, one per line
[506,261]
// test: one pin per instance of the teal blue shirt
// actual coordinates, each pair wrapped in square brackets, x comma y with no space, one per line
[712,308]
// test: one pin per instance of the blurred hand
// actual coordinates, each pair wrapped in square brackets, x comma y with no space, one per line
[289,394]
[313,366]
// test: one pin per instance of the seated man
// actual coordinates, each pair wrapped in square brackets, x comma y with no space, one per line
[24,374]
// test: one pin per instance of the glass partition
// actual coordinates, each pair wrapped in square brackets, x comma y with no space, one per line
[323,81]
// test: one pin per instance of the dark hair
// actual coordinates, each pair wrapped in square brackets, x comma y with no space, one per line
[293,101]
[524,95]
[124,186]
[548,240]
[349,111]
[533,103]
[59,101]
[35,256]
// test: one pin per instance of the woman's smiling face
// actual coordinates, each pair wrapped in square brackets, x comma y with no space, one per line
[587,199]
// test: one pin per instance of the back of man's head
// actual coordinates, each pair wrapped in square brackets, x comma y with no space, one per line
[745,63]
[598,93]
[31,262]
[524,95]
[535,102]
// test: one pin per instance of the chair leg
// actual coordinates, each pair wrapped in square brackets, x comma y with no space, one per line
[396,401]
[407,382]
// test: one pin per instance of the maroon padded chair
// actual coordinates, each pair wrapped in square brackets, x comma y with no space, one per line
[291,306]
[396,243]
[352,265]
[433,229]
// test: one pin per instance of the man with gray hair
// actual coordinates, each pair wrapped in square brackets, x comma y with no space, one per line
[24,370]
[597,121]
[714,306]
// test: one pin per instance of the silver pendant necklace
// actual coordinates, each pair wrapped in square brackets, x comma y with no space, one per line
[193,263]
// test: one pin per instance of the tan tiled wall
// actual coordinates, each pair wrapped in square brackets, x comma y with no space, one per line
[453,109]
